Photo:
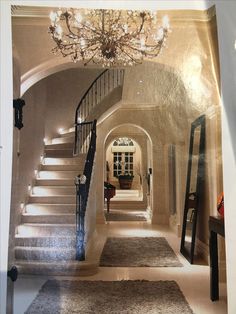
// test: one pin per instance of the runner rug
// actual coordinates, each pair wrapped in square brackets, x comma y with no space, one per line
[109,297]
[138,252]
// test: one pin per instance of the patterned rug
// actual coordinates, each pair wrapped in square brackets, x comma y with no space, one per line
[118,216]
[138,252]
[109,297]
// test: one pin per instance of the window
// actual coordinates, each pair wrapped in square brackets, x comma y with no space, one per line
[123,159]
[123,163]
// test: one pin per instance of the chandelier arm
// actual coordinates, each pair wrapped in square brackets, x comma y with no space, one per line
[68,25]
[142,23]
[131,57]
[90,29]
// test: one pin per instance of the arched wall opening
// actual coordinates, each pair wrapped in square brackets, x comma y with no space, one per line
[106,136]
[124,160]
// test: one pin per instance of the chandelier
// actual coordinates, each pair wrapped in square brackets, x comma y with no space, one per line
[108,37]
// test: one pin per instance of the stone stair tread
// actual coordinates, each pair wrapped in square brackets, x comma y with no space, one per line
[49,204]
[59,145]
[60,187]
[50,196]
[48,214]
[47,225]
[68,134]
[44,237]
[44,248]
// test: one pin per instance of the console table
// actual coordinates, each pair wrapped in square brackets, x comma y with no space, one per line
[216,226]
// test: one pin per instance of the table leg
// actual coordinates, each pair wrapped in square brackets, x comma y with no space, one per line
[108,205]
[214,274]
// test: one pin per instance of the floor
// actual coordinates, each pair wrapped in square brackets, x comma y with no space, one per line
[192,279]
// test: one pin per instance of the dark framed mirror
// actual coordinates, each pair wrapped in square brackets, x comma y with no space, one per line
[194,187]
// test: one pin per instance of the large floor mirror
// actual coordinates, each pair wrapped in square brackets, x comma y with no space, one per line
[194,187]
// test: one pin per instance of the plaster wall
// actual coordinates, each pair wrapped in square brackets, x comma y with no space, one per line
[28,145]
[64,90]
[32,39]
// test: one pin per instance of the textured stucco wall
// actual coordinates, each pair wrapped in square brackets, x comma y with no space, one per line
[63,93]
[163,97]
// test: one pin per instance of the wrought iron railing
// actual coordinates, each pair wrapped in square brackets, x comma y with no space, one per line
[87,140]
[107,81]
[85,143]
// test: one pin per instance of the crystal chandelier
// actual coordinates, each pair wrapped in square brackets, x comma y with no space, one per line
[108,37]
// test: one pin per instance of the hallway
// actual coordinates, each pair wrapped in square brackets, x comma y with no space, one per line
[193,280]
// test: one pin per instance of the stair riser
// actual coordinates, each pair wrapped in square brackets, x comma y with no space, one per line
[56,242]
[57,153]
[62,182]
[50,209]
[36,231]
[57,174]
[53,199]
[44,255]
[63,269]
[62,140]
[59,146]
[77,167]
[49,219]
[127,206]
[39,190]
[68,134]
[64,161]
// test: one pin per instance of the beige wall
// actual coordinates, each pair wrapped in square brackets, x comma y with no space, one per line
[162,97]
[64,90]
[27,148]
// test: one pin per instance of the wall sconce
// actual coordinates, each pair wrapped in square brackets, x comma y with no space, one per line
[17,105]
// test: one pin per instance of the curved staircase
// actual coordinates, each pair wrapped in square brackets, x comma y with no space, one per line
[51,238]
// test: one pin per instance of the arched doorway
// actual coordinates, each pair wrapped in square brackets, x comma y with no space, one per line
[123,158]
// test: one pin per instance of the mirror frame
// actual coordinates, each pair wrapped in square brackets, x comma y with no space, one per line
[193,199]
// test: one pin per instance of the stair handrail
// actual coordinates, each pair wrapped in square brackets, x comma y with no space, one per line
[114,76]
[85,94]
[82,190]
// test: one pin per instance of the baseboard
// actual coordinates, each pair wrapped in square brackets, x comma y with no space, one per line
[176,229]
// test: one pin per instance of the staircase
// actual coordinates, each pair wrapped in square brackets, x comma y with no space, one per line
[45,240]
[51,238]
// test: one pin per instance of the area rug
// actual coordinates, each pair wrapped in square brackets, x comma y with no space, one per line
[138,252]
[117,216]
[109,297]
